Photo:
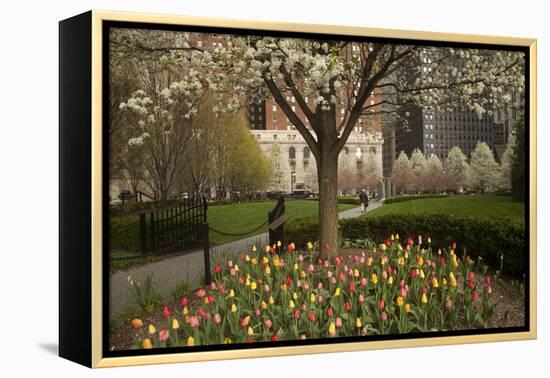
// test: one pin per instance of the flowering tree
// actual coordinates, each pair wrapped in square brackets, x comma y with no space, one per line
[418,166]
[505,169]
[324,76]
[402,174]
[280,169]
[434,176]
[483,172]
[371,175]
[456,168]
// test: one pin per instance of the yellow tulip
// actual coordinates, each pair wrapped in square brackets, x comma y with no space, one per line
[283,287]
[276,262]
[337,292]
[407,308]
[233,308]
[227,340]
[369,261]
[332,329]
[293,246]
[291,304]
[190,341]
[358,323]
[267,249]
[302,274]
[152,329]
[254,261]
[452,279]
[401,261]
[254,248]
[247,258]
[424,298]
[295,266]
[435,283]
[374,278]
[400,301]
[355,273]
[397,236]
[399,247]
[429,240]
[420,261]
[253,285]
[422,275]
[279,243]
[271,301]
[175,324]
[147,344]
[309,245]
[390,280]
[247,283]
[406,254]
[294,296]
[444,281]
[236,267]
[206,301]
[263,305]
[454,262]
[383,247]
[392,237]
[267,270]
[250,331]
[265,260]
[231,293]
[312,297]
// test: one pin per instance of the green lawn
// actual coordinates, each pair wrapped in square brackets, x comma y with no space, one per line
[243,217]
[482,206]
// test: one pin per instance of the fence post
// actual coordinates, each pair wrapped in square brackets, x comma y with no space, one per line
[206,246]
[142,232]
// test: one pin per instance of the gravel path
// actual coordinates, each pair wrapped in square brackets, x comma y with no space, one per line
[189,267]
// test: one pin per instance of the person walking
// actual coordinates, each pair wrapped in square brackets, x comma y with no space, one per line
[364,200]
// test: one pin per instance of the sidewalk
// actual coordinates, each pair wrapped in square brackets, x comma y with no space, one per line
[189,267]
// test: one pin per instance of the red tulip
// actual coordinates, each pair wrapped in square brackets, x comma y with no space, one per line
[410,242]
[412,273]
[453,245]
[471,275]
[288,281]
[184,301]
[351,287]
[210,299]
[442,260]
[347,307]
[474,296]
[217,269]
[166,311]
[250,340]
[341,276]
[329,312]
[163,335]
[388,242]
[203,314]
[296,314]
[382,304]
[201,293]
[487,280]
[274,337]
[471,284]
[312,316]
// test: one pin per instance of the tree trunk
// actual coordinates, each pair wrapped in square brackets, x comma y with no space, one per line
[327,171]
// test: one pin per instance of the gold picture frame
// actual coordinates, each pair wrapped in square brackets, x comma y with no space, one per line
[92,264]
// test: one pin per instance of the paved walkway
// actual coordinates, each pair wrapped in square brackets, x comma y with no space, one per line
[189,267]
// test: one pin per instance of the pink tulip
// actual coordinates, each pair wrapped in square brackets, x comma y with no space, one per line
[164,335]
[303,337]
[229,263]
[361,298]
[300,258]
[306,285]
[266,288]
[310,268]
[193,321]
[320,285]
[217,318]
[363,282]
[333,280]
[304,308]
[448,304]
[384,316]
[257,312]
[298,283]
[232,271]
[320,299]
[329,274]
[213,286]
[382,304]
[338,322]
[384,275]
[268,324]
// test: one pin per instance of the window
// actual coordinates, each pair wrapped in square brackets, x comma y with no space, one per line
[274,108]
[274,136]
[291,153]
[199,43]
[307,152]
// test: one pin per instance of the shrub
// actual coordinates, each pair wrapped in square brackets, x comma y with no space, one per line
[124,234]
[479,237]
[344,200]
[400,199]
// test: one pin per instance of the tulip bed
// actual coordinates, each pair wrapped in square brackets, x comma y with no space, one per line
[280,293]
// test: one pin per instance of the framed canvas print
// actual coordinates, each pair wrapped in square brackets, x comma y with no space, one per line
[237,189]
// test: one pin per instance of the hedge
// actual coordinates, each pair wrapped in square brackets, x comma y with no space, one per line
[485,237]
[124,234]
[344,200]
[400,199]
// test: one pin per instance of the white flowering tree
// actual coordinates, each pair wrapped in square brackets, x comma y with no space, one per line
[418,166]
[483,172]
[402,174]
[505,169]
[456,168]
[435,178]
[280,169]
[326,76]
